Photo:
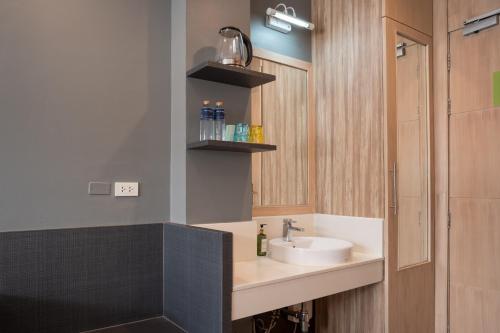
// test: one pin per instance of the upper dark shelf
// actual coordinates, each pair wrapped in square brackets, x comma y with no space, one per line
[241,147]
[243,77]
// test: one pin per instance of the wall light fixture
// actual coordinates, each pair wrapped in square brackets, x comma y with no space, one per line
[282,20]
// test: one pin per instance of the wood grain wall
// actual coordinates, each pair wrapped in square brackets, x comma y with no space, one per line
[355,311]
[415,14]
[347,59]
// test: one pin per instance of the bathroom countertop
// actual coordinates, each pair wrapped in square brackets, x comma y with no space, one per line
[265,284]
[264,270]
[261,284]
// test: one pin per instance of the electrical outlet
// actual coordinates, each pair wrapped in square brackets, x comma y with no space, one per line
[126,189]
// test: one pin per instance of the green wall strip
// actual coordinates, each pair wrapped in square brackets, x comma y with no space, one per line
[496,89]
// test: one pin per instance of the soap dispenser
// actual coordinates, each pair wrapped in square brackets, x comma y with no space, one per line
[261,242]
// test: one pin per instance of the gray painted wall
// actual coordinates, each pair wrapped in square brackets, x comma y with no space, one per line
[295,44]
[218,183]
[84,94]
[178,112]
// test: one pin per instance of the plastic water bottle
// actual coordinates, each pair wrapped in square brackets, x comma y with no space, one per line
[206,122]
[219,122]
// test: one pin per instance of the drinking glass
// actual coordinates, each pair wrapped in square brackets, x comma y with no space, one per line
[241,132]
[256,134]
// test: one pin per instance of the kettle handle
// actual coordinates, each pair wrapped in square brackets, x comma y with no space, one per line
[248,45]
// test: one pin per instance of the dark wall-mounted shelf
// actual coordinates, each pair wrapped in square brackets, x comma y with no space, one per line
[237,76]
[241,147]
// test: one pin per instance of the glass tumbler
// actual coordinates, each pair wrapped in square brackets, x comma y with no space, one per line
[256,134]
[241,132]
[229,134]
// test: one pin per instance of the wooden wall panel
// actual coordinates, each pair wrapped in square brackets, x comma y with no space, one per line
[415,14]
[475,231]
[347,60]
[475,157]
[475,286]
[351,311]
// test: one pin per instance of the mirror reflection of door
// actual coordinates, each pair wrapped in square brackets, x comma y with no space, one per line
[412,169]
[282,179]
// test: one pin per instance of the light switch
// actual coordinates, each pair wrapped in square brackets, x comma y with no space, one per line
[99,188]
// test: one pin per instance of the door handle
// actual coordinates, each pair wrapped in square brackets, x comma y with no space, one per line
[394,204]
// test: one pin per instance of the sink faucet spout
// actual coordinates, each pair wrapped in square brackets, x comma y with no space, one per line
[288,228]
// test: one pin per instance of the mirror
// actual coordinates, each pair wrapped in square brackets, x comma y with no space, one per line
[411,173]
[282,180]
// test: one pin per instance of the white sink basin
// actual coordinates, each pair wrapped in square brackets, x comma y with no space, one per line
[310,251]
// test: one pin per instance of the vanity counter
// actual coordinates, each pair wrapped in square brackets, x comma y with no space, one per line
[264,271]
[262,284]
[265,284]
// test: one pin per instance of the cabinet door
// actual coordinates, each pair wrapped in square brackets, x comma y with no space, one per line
[409,187]
[282,180]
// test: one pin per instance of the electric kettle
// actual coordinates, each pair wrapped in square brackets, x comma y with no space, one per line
[235,48]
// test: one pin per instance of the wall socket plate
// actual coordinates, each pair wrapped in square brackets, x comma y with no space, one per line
[126,189]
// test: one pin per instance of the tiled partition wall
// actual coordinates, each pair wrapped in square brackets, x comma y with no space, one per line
[74,280]
[198,278]
[71,280]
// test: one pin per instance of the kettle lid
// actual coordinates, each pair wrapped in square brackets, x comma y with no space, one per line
[230,32]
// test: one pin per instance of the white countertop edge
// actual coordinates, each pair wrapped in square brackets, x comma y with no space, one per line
[358,259]
[268,297]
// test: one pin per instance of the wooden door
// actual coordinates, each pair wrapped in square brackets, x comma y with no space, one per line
[474,144]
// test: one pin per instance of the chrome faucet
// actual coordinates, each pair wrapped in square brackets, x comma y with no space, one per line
[287,229]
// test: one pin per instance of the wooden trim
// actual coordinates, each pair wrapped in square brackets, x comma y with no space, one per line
[256,117]
[282,210]
[282,59]
[415,283]
[440,56]
[262,54]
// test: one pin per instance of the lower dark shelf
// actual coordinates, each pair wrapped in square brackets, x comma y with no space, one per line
[241,147]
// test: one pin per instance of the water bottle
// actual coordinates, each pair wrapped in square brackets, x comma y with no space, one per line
[206,122]
[219,122]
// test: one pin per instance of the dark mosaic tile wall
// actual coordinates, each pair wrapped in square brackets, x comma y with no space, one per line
[71,280]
